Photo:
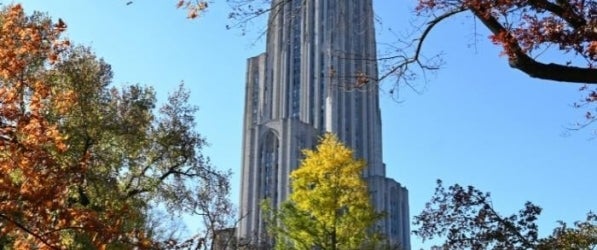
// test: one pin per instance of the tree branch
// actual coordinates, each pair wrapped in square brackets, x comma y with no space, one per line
[22,227]
[565,12]
[521,61]
[415,58]
[507,224]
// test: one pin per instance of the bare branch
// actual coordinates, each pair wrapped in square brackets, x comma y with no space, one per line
[402,67]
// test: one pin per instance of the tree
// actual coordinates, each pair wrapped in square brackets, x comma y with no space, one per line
[82,164]
[467,219]
[141,160]
[35,180]
[329,206]
[524,28]
[218,213]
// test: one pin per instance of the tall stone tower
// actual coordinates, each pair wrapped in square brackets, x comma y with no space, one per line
[318,74]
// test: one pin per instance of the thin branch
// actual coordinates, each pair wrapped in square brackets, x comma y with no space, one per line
[563,10]
[508,225]
[22,227]
[415,58]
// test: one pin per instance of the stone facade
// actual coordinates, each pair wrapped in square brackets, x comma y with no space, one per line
[318,74]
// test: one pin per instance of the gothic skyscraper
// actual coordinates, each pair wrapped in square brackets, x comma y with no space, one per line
[318,74]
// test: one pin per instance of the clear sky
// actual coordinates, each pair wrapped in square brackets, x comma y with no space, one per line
[477,122]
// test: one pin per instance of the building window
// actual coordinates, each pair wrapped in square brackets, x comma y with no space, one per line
[269,161]
[255,95]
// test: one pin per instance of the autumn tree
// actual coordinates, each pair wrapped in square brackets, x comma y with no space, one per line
[526,30]
[465,217]
[141,160]
[82,164]
[329,206]
[35,179]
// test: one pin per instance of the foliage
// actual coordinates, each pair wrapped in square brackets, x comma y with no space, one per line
[466,218]
[582,236]
[525,29]
[193,7]
[35,180]
[140,160]
[329,206]
[84,165]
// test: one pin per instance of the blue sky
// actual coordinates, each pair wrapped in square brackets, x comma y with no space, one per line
[477,122]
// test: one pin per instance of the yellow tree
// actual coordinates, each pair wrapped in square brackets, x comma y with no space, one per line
[329,207]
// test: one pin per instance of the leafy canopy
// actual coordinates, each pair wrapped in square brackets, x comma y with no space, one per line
[35,178]
[466,219]
[84,165]
[329,206]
